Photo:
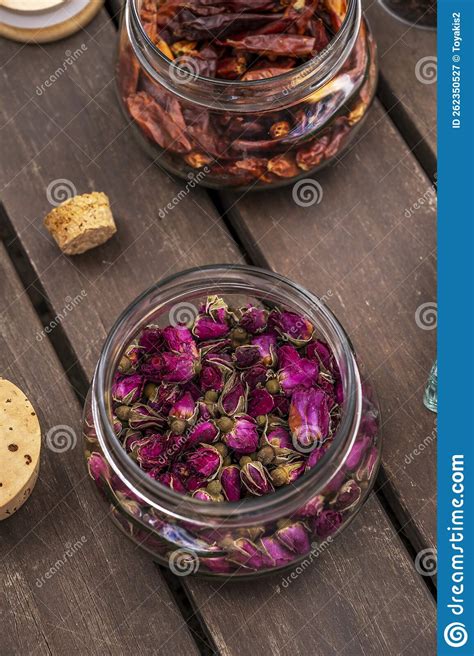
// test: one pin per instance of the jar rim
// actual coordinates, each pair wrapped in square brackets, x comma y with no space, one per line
[312,74]
[286,499]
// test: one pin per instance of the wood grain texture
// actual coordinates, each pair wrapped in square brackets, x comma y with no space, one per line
[371,255]
[75,129]
[411,102]
[69,582]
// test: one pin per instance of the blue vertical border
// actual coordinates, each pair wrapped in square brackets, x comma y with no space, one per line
[456,327]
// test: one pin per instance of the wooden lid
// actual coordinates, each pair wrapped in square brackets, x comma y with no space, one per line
[42,21]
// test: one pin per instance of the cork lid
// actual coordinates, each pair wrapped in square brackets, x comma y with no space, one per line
[41,21]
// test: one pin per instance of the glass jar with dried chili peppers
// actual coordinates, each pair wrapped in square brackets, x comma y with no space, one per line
[247,93]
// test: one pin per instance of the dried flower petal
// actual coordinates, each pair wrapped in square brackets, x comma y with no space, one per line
[255,376]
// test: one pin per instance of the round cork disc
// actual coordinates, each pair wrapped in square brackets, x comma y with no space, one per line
[20,445]
[35,21]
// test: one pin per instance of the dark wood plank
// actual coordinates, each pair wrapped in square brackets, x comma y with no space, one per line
[70,582]
[403,52]
[111,277]
[375,266]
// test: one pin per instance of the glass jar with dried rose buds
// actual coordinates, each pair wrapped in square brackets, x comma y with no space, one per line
[227,427]
[248,93]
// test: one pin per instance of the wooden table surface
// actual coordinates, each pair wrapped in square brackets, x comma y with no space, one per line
[368,247]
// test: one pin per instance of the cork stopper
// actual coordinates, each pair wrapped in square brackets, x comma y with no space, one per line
[81,223]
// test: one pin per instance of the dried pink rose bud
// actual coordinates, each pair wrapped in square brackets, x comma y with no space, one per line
[278,554]
[151,339]
[327,523]
[142,417]
[347,497]
[151,451]
[230,481]
[177,368]
[185,409]
[205,461]
[366,470]
[321,352]
[357,453]
[254,376]
[316,455]
[128,389]
[233,399]
[180,340]
[163,397]
[245,553]
[171,481]
[130,439]
[243,437]
[202,494]
[255,478]
[293,327]
[295,372]
[206,328]
[312,508]
[98,468]
[267,347]
[246,356]
[295,537]
[211,378]
[260,402]
[309,417]
[254,320]
[205,432]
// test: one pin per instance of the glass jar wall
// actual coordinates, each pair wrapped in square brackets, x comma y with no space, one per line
[256,534]
[255,131]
